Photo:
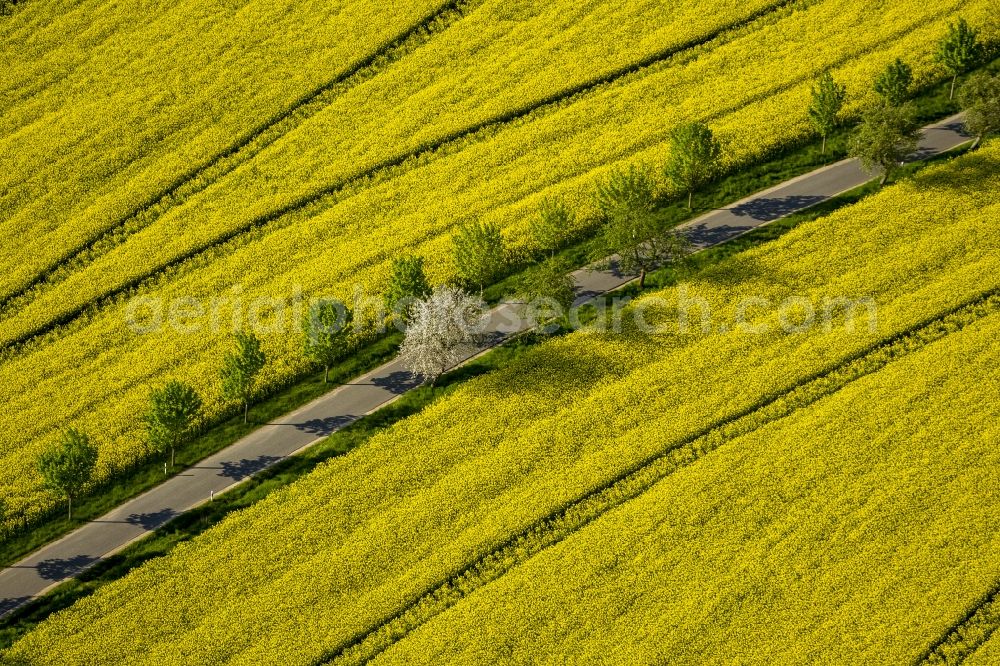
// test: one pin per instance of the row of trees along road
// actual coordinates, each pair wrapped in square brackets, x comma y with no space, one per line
[629,228]
[628,199]
[889,131]
[173,412]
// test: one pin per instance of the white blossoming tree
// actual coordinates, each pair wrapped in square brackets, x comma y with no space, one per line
[443,330]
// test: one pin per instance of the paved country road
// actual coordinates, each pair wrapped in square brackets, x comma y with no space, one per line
[277,440]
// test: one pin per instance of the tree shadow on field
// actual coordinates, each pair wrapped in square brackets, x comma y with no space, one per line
[737,269]
[971,173]
[555,369]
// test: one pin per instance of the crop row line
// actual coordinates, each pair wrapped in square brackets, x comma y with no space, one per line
[968,634]
[630,484]
[201,177]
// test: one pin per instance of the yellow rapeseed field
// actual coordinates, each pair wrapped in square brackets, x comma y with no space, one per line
[855,531]
[362,537]
[106,103]
[988,653]
[97,373]
[501,56]
[753,89]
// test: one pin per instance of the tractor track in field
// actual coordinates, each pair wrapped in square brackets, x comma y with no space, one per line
[966,635]
[391,168]
[642,476]
[198,179]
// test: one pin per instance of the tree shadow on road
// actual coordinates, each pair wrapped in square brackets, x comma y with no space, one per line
[150,521]
[60,568]
[704,236]
[767,209]
[326,426]
[398,382]
[10,603]
[247,467]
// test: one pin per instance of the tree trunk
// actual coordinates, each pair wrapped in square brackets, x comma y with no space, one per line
[171,456]
[326,374]
[975,143]
[823,149]
[690,199]
[642,278]
[70,498]
[246,410]
[885,177]
[952,94]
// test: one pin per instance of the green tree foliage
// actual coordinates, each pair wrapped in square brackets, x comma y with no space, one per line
[408,283]
[326,334]
[552,225]
[69,466]
[959,50]
[240,368]
[980,99]
[631,229]
[548,288]
[694,158]
[828,98]
[625,192]
[479,253]
[893,84]
[172,411]
[885,137]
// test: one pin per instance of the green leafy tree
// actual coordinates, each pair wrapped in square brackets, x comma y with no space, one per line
[980,99]
[694,158]
[408,283]
[631,230]
[893,84]
[240,368]
[173,409]
[828,98]
[67,467]
[326,334]
[552,225]
[548,287]
[885,137]
[959,51]
[479,253]
[625,191]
